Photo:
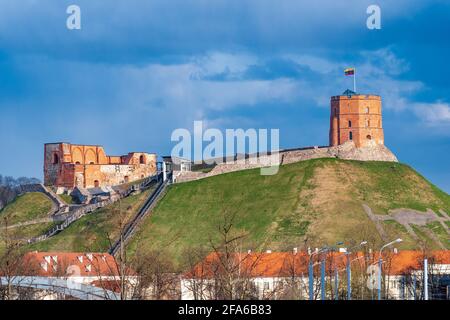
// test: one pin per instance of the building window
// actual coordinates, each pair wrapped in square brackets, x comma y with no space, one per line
[142,159]
[127,179]
[369,137]
[335,111]
[91,162]
[349,124]
[350,135]
[266,286]
[96,183]
[367,110]
[78,162]
[55,158]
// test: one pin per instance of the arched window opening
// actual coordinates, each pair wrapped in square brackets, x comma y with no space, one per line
[350,135]
[127,179]
[369,137]
[55,158]
[142,159]
[367,110]
[96,183]
[91,162]
[78,162]
[349,124]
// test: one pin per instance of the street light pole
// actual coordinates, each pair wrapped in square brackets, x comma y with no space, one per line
[349,271]
[380,262]
[322,279]
[349,278]
[425,278]
[311,279]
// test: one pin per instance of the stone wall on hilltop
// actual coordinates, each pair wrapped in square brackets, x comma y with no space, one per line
[347,151]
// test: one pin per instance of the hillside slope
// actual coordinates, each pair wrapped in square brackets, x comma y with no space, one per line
[24,213]
[95,232]
[318,201]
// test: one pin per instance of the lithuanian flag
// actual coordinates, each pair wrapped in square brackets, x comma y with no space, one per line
[349,71]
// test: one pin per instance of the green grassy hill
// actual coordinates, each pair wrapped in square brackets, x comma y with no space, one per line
[95,231]
[318,201]
[25,209]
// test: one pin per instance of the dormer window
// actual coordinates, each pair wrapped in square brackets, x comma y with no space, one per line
[44,266]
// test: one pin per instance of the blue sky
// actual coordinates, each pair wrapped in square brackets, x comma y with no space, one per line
[139,69]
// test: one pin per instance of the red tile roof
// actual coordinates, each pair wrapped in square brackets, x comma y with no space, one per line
[285,264]
[54,264]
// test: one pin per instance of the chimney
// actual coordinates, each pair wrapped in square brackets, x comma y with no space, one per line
[88,268]
[89,256]
[80,258]
[269,251]
[295,250]
[47,259]
[249,251]
[55,259]
[343,250]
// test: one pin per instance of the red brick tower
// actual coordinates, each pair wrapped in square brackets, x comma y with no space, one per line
[356,117]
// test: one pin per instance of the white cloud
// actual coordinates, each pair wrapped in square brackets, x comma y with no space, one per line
[433,114]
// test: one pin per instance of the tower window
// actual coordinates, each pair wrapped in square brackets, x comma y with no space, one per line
[335,111]
[349,124]
[369,137]
[55,158]
[142,159]
[350,135]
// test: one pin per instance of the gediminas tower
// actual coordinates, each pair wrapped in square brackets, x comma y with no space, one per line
[356,117]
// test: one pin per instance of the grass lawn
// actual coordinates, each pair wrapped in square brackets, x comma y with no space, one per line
[94,231]
[30,206]
[66,198]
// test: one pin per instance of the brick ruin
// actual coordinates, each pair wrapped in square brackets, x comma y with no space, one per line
[87,166]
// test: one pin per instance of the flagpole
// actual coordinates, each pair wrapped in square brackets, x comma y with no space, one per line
[354,80]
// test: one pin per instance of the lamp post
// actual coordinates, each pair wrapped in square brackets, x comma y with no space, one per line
[380,262]
[349,271]
[311,272]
